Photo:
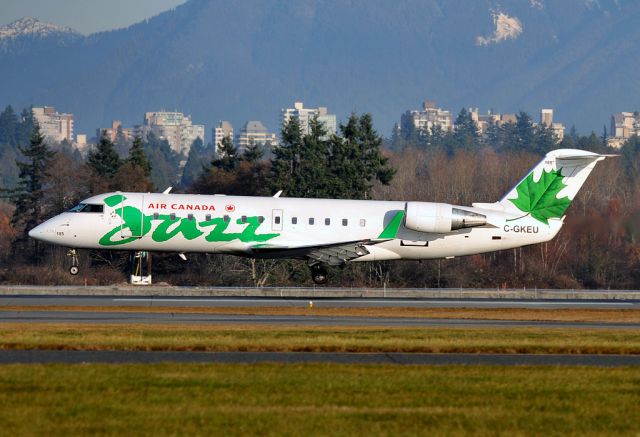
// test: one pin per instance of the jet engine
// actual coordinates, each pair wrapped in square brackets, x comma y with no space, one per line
[440,218]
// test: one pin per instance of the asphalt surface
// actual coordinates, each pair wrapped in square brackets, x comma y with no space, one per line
[144,357]
[124,317]
[216,302]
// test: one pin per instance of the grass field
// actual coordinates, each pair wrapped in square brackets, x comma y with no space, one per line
[317,339]
[317,399]
[534,314]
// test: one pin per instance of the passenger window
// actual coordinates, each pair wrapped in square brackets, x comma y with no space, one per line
[172,216]
[294,220]
[311,220]
[207,217]
[260,219]
[363,222]
[227,219]
[190,217]
[277,220]
[345,222]
[243,219]
[327,221]
[156,216]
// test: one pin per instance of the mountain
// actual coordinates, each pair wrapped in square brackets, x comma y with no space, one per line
[29,33]
[227,60]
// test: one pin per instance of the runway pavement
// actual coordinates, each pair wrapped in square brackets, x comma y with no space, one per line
[216,302]
[145,357]
[125,317]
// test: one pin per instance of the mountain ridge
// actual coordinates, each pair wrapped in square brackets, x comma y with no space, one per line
[239,61]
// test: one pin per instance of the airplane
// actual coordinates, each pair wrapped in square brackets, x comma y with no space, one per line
[324,231]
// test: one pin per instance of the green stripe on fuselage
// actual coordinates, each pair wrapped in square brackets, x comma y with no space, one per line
[392,228]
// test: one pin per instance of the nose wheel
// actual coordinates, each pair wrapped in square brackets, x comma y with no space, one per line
[75,264]
[319,274]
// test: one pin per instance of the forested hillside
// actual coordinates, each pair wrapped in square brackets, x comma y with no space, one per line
[245,60]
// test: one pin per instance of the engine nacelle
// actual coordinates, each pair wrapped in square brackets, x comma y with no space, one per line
[440,218]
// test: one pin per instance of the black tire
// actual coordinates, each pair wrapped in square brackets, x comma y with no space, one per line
[319,275]
[74,270]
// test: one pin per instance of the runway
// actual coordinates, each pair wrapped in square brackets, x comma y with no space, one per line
[145,357]
[125,317]
[218,302]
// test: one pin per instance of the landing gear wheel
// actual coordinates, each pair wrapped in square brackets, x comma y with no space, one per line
[318,274]
[74,269]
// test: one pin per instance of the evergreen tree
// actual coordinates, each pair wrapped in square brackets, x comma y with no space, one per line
[227,155]
[466,134]
[104,160]
[253,153]
[286,160]
[544,139]
[165,163]
[573,133]
[356,160]
[8,127]
[525,132]
[26,126]
[137,156]
[29,210]
[197,160]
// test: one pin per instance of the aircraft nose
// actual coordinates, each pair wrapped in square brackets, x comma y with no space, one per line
[37,231]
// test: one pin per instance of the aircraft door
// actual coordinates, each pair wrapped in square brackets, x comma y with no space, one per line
[276,220]
[132,216]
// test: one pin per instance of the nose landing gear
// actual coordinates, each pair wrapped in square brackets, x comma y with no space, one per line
[75,265]
[318,274]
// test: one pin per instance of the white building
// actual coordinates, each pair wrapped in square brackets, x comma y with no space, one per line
[55,126]
[223,130]
[254,132]
[623,126]
[175,127]
[546,118]
[304,115]
[426,119]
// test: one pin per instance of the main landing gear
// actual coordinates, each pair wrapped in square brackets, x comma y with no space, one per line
[75,265]
[318,274]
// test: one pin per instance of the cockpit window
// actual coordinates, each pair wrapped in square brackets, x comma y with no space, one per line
[87,207]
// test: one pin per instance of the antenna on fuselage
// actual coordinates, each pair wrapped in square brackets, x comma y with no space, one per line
[277,194]
[167,190]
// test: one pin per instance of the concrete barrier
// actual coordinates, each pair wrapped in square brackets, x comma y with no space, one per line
[319,292]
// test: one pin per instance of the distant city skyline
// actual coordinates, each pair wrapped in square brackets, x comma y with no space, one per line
[85,16]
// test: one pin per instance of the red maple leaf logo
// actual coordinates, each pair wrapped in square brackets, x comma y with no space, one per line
[229,208]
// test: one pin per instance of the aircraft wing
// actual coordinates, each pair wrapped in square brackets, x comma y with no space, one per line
[332,254]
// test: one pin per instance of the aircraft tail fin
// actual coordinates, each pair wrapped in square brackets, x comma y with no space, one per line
[548,189]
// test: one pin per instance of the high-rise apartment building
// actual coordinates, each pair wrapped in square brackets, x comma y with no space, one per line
[546,118]
[55,126]
[254,132]
[175,127]
[426,119]
[112,132]
[623,126]
[223,130]
[304,115]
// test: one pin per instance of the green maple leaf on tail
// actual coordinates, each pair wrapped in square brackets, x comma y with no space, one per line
[540,198]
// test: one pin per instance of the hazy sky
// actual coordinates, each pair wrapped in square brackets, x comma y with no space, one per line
[85,16]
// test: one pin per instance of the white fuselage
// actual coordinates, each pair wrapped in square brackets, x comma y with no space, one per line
[270,227]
